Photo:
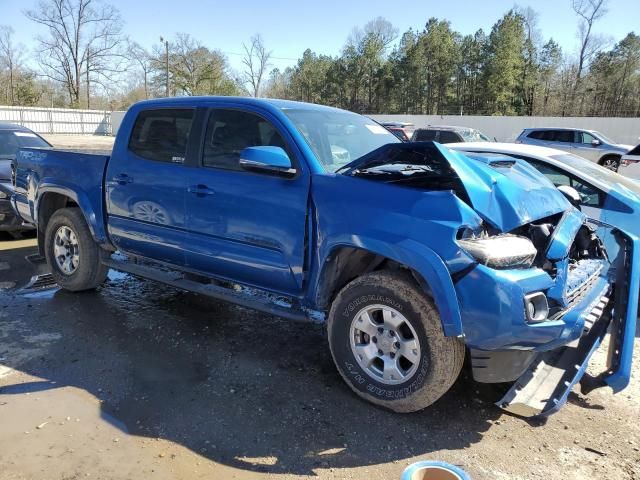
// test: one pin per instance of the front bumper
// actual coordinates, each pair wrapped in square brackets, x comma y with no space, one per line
[545,385]
[493,310]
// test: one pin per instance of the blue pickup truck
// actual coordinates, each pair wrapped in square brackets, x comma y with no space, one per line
[415,256]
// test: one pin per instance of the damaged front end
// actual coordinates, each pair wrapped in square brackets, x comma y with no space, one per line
[537,291]
[545,384]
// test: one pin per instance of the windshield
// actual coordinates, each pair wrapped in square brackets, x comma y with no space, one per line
[11,141]
[337,137]
[591,169]
[473,135]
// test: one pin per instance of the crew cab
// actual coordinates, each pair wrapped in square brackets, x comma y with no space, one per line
[413,255]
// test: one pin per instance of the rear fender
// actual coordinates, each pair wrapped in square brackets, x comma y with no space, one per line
[91,210]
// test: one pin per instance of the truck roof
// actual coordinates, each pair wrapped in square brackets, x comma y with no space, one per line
[206,100]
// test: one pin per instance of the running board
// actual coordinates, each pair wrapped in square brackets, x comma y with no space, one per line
[253,299]
[545,386]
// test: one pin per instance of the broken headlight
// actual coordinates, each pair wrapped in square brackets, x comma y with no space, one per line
[501,251]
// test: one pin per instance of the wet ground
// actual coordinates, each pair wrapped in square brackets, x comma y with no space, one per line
[138,380]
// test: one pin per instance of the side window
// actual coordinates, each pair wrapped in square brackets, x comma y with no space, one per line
[564,136]
[162,134]
[449,137]
[548,135]
[537,134]
[425,136]
[586,138]
[556,177]
[231,131]
[589,195]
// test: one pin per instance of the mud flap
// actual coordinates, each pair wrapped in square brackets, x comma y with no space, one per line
[545,386]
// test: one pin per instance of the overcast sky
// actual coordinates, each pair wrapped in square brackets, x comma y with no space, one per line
[289,27]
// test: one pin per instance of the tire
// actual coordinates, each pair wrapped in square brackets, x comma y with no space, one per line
[87,271]
[610,162]
[433,367]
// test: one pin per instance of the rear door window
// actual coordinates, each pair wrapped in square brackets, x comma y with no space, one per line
[425,136]
[449,137]
[564,136]
[537,135]
[162,134]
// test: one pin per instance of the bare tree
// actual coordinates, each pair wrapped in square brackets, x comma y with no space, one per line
[11,56]
[588,11]
[256,61]
[143,60]
[84,37]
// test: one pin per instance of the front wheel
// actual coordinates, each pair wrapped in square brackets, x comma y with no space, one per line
[387,342]
[74,258]
[611,162]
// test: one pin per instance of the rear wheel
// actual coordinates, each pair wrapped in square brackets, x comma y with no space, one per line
[387,342]
[610,162]
[74,258]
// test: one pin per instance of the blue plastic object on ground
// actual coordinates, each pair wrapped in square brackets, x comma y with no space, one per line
[431,470]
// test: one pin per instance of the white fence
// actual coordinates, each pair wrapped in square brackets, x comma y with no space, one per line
[59,120]
[506,129]
[95,122]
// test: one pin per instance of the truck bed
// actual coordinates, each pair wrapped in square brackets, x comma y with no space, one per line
[40,172]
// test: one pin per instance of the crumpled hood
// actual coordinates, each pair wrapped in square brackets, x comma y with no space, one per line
[506,192]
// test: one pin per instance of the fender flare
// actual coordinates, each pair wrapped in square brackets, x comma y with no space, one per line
[433,274]
[94,219]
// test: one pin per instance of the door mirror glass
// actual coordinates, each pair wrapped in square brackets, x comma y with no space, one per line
[267,159]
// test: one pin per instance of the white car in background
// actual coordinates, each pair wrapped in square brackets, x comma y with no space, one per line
[604,195]
[630,164]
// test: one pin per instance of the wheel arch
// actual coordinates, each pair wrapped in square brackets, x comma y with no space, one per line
[609,155]
[346,262]
[52,198]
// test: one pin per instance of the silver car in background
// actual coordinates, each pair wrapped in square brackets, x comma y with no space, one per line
[588,144]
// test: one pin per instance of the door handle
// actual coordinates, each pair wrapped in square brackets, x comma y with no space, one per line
[122,179]
[200,190]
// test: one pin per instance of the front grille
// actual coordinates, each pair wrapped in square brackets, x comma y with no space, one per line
[575,295]
[582,277]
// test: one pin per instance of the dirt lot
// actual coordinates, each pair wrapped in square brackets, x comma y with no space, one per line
[138,380]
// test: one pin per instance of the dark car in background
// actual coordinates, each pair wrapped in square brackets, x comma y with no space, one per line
[448,134]
[402,130]
[12,138]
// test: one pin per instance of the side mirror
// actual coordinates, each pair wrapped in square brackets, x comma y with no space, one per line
[595,143]
[571,194]
[270,160]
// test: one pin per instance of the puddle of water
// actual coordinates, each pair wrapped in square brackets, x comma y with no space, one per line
[115,275]
[47,293]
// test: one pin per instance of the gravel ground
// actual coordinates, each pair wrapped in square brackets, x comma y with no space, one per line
[139,380]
